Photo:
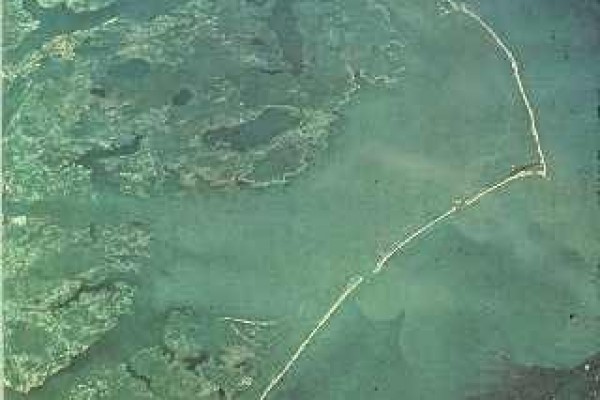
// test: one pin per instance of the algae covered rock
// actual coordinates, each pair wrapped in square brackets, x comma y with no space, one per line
[208,358]
[194,93]
[78,5]
[17,23]
[64,288]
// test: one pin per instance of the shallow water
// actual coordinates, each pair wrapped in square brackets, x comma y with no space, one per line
[501,278]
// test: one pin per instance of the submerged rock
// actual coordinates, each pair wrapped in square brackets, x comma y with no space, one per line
[258,131]
[533,382]
[182,97]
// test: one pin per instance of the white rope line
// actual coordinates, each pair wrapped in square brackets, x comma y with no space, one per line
[244,321]
[462,7]
[399,245]
[350,288]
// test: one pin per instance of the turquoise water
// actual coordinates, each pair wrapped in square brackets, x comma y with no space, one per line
[514,276]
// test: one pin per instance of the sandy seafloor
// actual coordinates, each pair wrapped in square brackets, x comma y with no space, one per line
[515,277]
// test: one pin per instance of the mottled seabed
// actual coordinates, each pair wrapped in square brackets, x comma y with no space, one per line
[187,186]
